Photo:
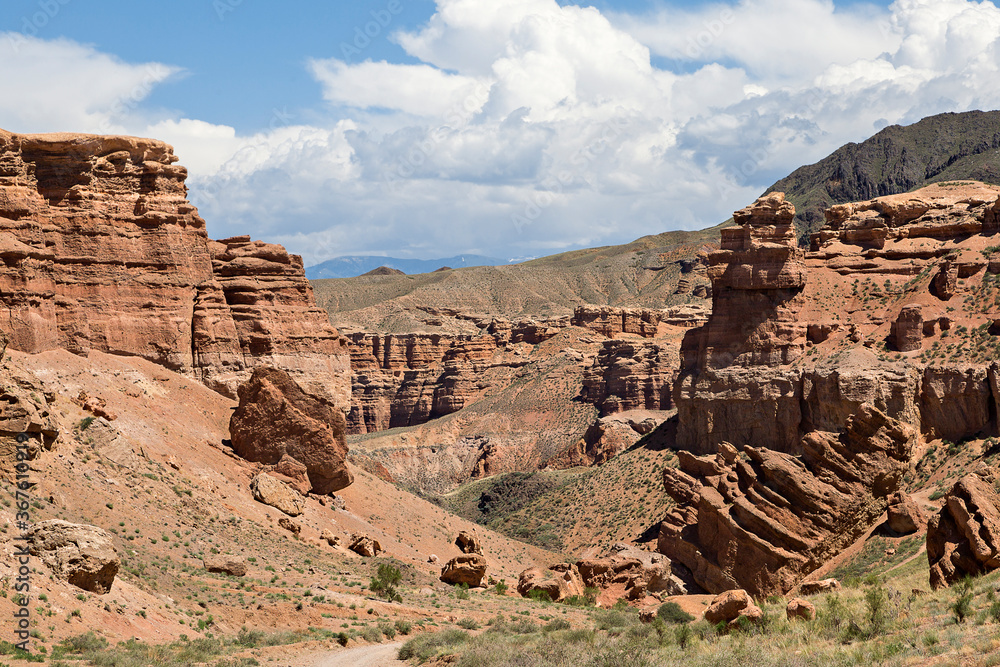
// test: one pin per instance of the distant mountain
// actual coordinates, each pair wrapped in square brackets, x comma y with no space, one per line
[355,265]
[946,147]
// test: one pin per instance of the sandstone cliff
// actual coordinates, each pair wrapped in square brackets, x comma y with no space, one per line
[891,312]
[798,340]
[102,251]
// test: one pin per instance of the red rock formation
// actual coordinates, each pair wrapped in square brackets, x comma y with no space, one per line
[101,250]
[630,375]
[277,422]
[761,519]
[746,376]
[964,537]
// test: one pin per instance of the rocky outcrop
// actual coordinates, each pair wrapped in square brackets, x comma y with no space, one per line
[25,420]
[268,490]
[102,251]
[225,564]
[468,569]
[280,424]
[821,586]
[797,340]
[610,321]
[964,537]
[468,543]
[558,582]
[606,438]
[628,573]
[365,546]
[630,375]
[761,520]
[83,555]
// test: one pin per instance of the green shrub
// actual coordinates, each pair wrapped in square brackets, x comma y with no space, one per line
[403,627]
[557,624]
[462,591]
[385,581]
[430,644]
[683,635]
[671,612]
[538,595]
[467,623]
[501,587]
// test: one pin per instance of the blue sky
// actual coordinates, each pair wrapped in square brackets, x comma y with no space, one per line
[501,127]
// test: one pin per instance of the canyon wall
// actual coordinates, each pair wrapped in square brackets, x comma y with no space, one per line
[409,379]
[793,346]
[821,374]
[101,250]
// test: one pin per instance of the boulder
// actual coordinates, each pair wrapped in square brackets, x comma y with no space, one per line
[821,586]
[226,564]
[560,581]
[280,424]
[469,569]
[905,516]
[799,608]
[964,537]
[364,545]
[83,555]
[270,491]
[329,538]
[730,606]
[289,525]
[908,329]
[468,543]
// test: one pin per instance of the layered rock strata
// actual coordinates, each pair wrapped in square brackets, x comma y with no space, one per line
[963,539]
[408,379]
[101,250]
[748,375]
[760,519]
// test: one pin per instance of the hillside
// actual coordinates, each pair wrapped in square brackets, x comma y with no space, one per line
[946,147]
[646,273]
[355,265]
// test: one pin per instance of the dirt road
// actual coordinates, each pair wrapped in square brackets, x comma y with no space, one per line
[380,655]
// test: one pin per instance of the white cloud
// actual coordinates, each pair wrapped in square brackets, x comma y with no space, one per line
[527,127]
[61,85]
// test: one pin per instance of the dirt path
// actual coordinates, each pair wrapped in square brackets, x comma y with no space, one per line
[379,655]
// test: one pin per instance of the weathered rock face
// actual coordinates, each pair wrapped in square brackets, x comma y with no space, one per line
[610,321]
[867,287]
[627,574]
[630,375]
[559,581]
[964,538]
[468,543]
[280,424]
[762,519]
[83,555]
[405,380]
[101,250]
[606,438]
[469,569]
[25,415]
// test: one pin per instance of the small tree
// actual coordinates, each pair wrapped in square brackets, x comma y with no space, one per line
[385,581]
